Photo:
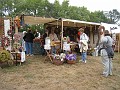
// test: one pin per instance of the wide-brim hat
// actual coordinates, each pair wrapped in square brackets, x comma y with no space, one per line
[81,30]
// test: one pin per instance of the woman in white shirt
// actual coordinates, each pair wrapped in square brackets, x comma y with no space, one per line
[83,44]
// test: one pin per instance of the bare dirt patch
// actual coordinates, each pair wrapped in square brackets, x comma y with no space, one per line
[34,74]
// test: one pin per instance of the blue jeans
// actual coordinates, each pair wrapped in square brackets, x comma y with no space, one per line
[42,50]
[84,56]
[53,50]
[29,47]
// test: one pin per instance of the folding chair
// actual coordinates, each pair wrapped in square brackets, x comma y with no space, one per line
[47,50]
[57,47]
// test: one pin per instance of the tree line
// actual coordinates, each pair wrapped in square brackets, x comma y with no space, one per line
[44,8]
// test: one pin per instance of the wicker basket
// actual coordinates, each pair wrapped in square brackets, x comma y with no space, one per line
[57,62]
[71,61]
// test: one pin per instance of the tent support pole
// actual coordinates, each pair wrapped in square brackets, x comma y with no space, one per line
[61,34]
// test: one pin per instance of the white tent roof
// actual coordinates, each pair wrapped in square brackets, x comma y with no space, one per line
[78,21]
[74,23]
[112,28]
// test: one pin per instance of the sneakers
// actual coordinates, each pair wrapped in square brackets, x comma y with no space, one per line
[31,55]
[104,75]
[82,61]
[27,54]
[85,61]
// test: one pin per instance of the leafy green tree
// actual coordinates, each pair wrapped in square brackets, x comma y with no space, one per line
[73,13]
[44,8]
[5,7]
[84,14]
[113,15]
[56,9]
[48,9]
[65,9]
[98,16]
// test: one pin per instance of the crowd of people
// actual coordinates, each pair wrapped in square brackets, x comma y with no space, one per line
[104,46]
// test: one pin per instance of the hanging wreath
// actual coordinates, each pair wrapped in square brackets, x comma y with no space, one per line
[17,37]
[4,56]
[5,41]
[9,32]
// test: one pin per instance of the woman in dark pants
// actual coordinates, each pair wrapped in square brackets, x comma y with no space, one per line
[28,38]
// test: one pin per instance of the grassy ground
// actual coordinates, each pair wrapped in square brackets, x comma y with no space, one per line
[35,74]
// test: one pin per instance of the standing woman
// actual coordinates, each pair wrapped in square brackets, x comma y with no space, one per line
[83,44]
[107,52]
[28,38]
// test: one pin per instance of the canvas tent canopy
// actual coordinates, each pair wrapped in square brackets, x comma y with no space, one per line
[32,20]
[61,22]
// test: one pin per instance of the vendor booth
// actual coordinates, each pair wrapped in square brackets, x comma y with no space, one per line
[65,27]
[68,27]
[91,28]
[9,41]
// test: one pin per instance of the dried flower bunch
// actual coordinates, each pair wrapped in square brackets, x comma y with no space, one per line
[4,56]
[59,57]
[71,57]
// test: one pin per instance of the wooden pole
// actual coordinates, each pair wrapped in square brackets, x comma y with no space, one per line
[91,36]
[16,29]
[61,34]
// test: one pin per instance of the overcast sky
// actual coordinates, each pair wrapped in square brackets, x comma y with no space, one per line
[95,5]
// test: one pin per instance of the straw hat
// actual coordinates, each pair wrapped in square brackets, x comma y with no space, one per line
[81,30]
